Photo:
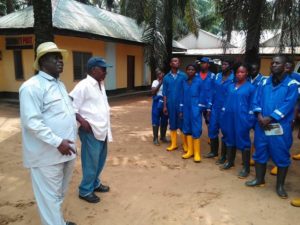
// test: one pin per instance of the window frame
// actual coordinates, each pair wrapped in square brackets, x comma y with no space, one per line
[83,58]
[18,65]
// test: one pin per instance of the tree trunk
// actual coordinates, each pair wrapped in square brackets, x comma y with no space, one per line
[254,30]
[109,4]
[9,6]
[169,32]
[43,28]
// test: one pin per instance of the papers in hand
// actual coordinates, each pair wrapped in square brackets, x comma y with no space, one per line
[274,129]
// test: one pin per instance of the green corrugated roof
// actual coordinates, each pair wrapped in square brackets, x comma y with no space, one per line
[75,16]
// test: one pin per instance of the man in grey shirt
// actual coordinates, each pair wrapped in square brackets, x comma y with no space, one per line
[48,133]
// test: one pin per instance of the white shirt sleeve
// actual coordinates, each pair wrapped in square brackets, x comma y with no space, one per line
[155,83]
[77,95]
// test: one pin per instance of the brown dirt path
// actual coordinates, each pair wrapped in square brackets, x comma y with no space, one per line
[149,186]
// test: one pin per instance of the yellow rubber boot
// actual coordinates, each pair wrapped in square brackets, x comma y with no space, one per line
[190,151]
[296,202]
[196,143]
[252,162]
[173,145]
[184,142]
[296,157]
[274,171]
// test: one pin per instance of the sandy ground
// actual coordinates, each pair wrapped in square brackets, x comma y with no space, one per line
[148,184]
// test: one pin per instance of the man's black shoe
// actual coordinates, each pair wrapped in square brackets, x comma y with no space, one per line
[70,223]
[91,198]
[102,188]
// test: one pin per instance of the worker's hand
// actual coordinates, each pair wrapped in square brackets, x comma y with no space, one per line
[259,118]
[65,147]
[165,111]
[86,126]
[180,115]
[293,124]
[265,121]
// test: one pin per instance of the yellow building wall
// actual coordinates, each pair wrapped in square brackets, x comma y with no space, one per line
[8,83]
[122,50]
[265,64]
[96,47]
[2,80]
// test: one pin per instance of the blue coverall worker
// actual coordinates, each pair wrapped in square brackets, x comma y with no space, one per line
[159,119]
[172,91]
[218,95]
[193,102]
[239,119]
[274,106]
[289,68]
[256,79]
[206,75]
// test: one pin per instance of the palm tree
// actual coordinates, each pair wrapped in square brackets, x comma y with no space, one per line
[253,16]
[247,15]
[43,28]
[159,19]
[286,13]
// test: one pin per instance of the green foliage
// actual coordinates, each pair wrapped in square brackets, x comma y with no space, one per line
[162,21]
[253,16]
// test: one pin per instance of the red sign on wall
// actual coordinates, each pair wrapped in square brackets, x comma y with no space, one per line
[19,42]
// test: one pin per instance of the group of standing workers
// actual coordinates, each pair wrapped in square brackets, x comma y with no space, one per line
[232,102]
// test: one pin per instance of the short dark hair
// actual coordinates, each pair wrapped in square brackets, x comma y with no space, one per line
[229,61]
[174,57]
[282,57]
[158,70]
[191,64]
[291,61]
[256,63]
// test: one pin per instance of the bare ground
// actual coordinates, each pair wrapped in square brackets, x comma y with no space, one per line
[149,186]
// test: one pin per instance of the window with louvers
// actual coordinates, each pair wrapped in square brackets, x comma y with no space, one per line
[79,64]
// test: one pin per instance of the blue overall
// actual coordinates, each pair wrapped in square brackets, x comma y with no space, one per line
[193,102]
[172,89]
[158,117]
[217,98]
[295,76]
[238,116]
[257,80]
[207,85]
[277,102]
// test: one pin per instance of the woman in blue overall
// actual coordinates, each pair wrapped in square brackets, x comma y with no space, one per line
[219,93]
[274,107]
[172,92]
[159,119]
[239,119]
[192,104]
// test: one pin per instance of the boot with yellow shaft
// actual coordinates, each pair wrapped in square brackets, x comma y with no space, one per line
[173,146]
[296,157]
[190,151]
[252,163]
[197,151]
[274,171]
[295,202]
[184,142]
